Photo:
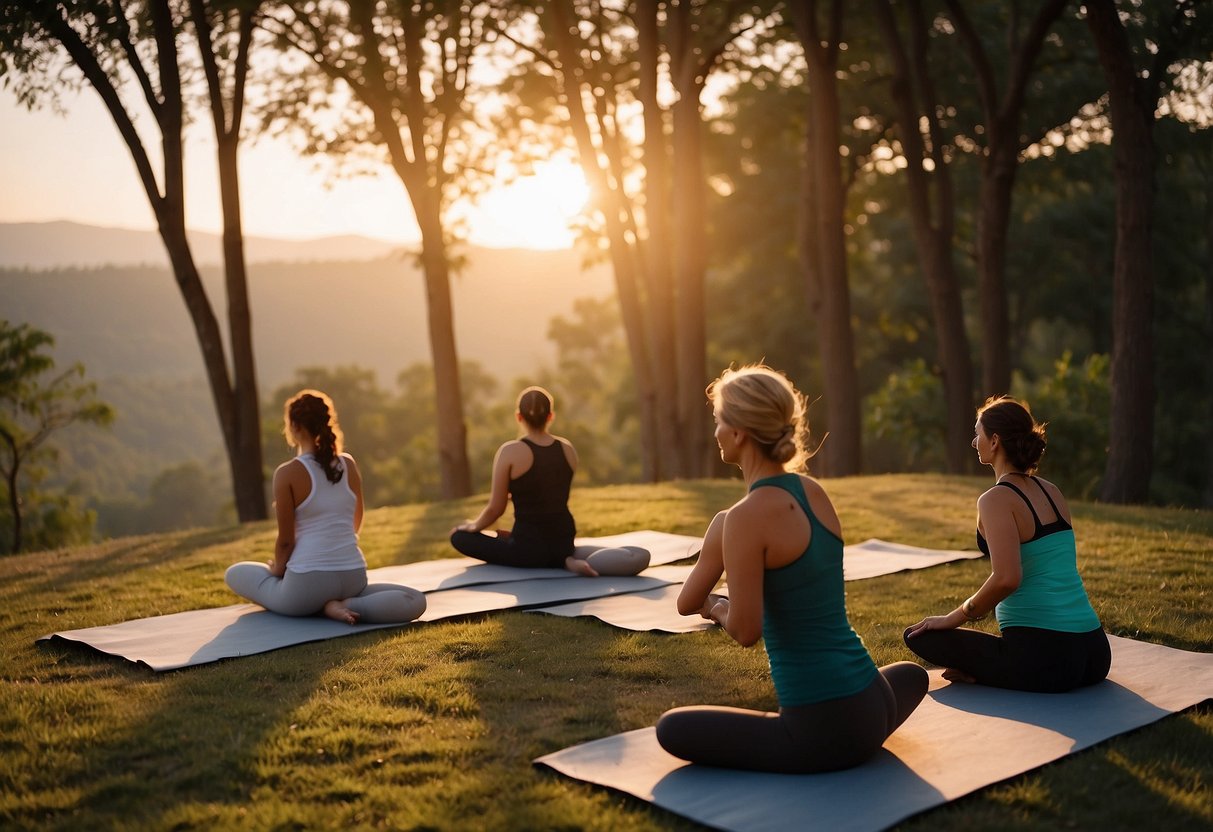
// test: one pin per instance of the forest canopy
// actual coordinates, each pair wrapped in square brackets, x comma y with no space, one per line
[907,205]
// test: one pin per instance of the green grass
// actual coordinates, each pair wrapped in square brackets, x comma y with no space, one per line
[434,726]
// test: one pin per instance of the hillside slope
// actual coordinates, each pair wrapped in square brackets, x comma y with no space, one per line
[434,726]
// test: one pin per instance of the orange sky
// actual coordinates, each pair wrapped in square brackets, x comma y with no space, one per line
[75,167]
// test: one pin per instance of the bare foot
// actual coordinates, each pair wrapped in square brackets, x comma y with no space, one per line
[953,675]
[580,567]
[338,611]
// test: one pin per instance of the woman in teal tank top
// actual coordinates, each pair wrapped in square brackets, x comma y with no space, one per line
[1051,639]
[781,549]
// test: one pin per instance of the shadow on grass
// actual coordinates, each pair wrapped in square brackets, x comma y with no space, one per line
[202,737]
[428,537]
[48,572]
[575,680]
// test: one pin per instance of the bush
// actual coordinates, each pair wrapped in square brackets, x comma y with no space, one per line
[1075,402]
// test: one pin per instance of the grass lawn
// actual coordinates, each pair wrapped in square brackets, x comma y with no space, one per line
[434,726]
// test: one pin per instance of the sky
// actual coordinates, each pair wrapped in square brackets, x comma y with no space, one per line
[75,166]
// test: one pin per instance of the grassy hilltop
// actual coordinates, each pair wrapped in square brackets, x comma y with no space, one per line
[434,726]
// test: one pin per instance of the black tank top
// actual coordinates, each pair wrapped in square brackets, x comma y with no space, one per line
[1042,529]
[542,493]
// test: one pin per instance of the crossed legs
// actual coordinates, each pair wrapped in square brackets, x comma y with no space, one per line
[343,596]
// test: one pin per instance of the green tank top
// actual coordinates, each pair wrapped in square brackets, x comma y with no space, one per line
[814,652]
[1050,594]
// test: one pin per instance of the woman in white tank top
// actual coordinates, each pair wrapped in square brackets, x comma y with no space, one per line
[317,565]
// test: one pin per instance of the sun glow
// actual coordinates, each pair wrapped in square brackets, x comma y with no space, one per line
[531,211]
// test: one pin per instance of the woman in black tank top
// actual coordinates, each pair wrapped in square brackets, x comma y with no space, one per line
[537,472]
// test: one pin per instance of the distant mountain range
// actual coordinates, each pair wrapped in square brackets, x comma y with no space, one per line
[328,302]
[51,245]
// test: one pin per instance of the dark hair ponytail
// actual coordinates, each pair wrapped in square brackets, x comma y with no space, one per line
[1022,437]
[314,412]
[535,405]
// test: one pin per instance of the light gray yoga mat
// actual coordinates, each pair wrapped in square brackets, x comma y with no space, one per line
[962,738]
[184,639]
[655,610]
[873,558]
[451,573]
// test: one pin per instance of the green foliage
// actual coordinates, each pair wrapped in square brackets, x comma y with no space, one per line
[596,407]
[434,726]
[49,520]
[907,414]
[1075,403]
[32,408]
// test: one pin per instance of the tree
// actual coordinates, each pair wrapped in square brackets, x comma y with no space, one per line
[1002,108]
[823,239]
[627,80]
[226,28]
[406,69]
[33,407]
[1133,99]
[109,44]
[933,212]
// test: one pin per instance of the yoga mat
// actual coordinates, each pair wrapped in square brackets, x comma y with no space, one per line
[451,573]
[184,639]
[873,558]
[653,609]
[962,738]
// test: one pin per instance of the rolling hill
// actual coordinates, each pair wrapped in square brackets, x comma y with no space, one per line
[128,319]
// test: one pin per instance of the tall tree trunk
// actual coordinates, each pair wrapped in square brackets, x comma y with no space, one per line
[690,267]
[14,496]
[248,468]
[248,474]
[1131,427]
[933,222]
[418,165]
[999,167]
[168,205]
[658,254]
[452,430]
[628,265]
[823,242]
[998,172]
[1208,492]
[171,224]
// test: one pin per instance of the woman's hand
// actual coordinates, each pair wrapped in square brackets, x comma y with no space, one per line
[466,526]
[276,569]
[938,622]
[710,604]
[716,608]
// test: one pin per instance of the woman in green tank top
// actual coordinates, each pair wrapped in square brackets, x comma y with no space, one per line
[781,548]
[1051,640]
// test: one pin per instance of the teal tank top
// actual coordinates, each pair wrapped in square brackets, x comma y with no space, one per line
[1050,594]
[814,652]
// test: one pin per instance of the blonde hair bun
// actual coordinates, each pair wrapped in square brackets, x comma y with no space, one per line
[765,404]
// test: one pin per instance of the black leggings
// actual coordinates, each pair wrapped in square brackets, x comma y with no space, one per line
[508,550]
[824,736]
[1023,658]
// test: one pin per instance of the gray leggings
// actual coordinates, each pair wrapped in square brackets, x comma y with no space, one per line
[614,560]
[824,736]
[306,593]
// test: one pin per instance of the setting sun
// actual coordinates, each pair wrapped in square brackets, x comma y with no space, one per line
[532,211]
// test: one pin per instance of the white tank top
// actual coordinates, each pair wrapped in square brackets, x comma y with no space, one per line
[325,540]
